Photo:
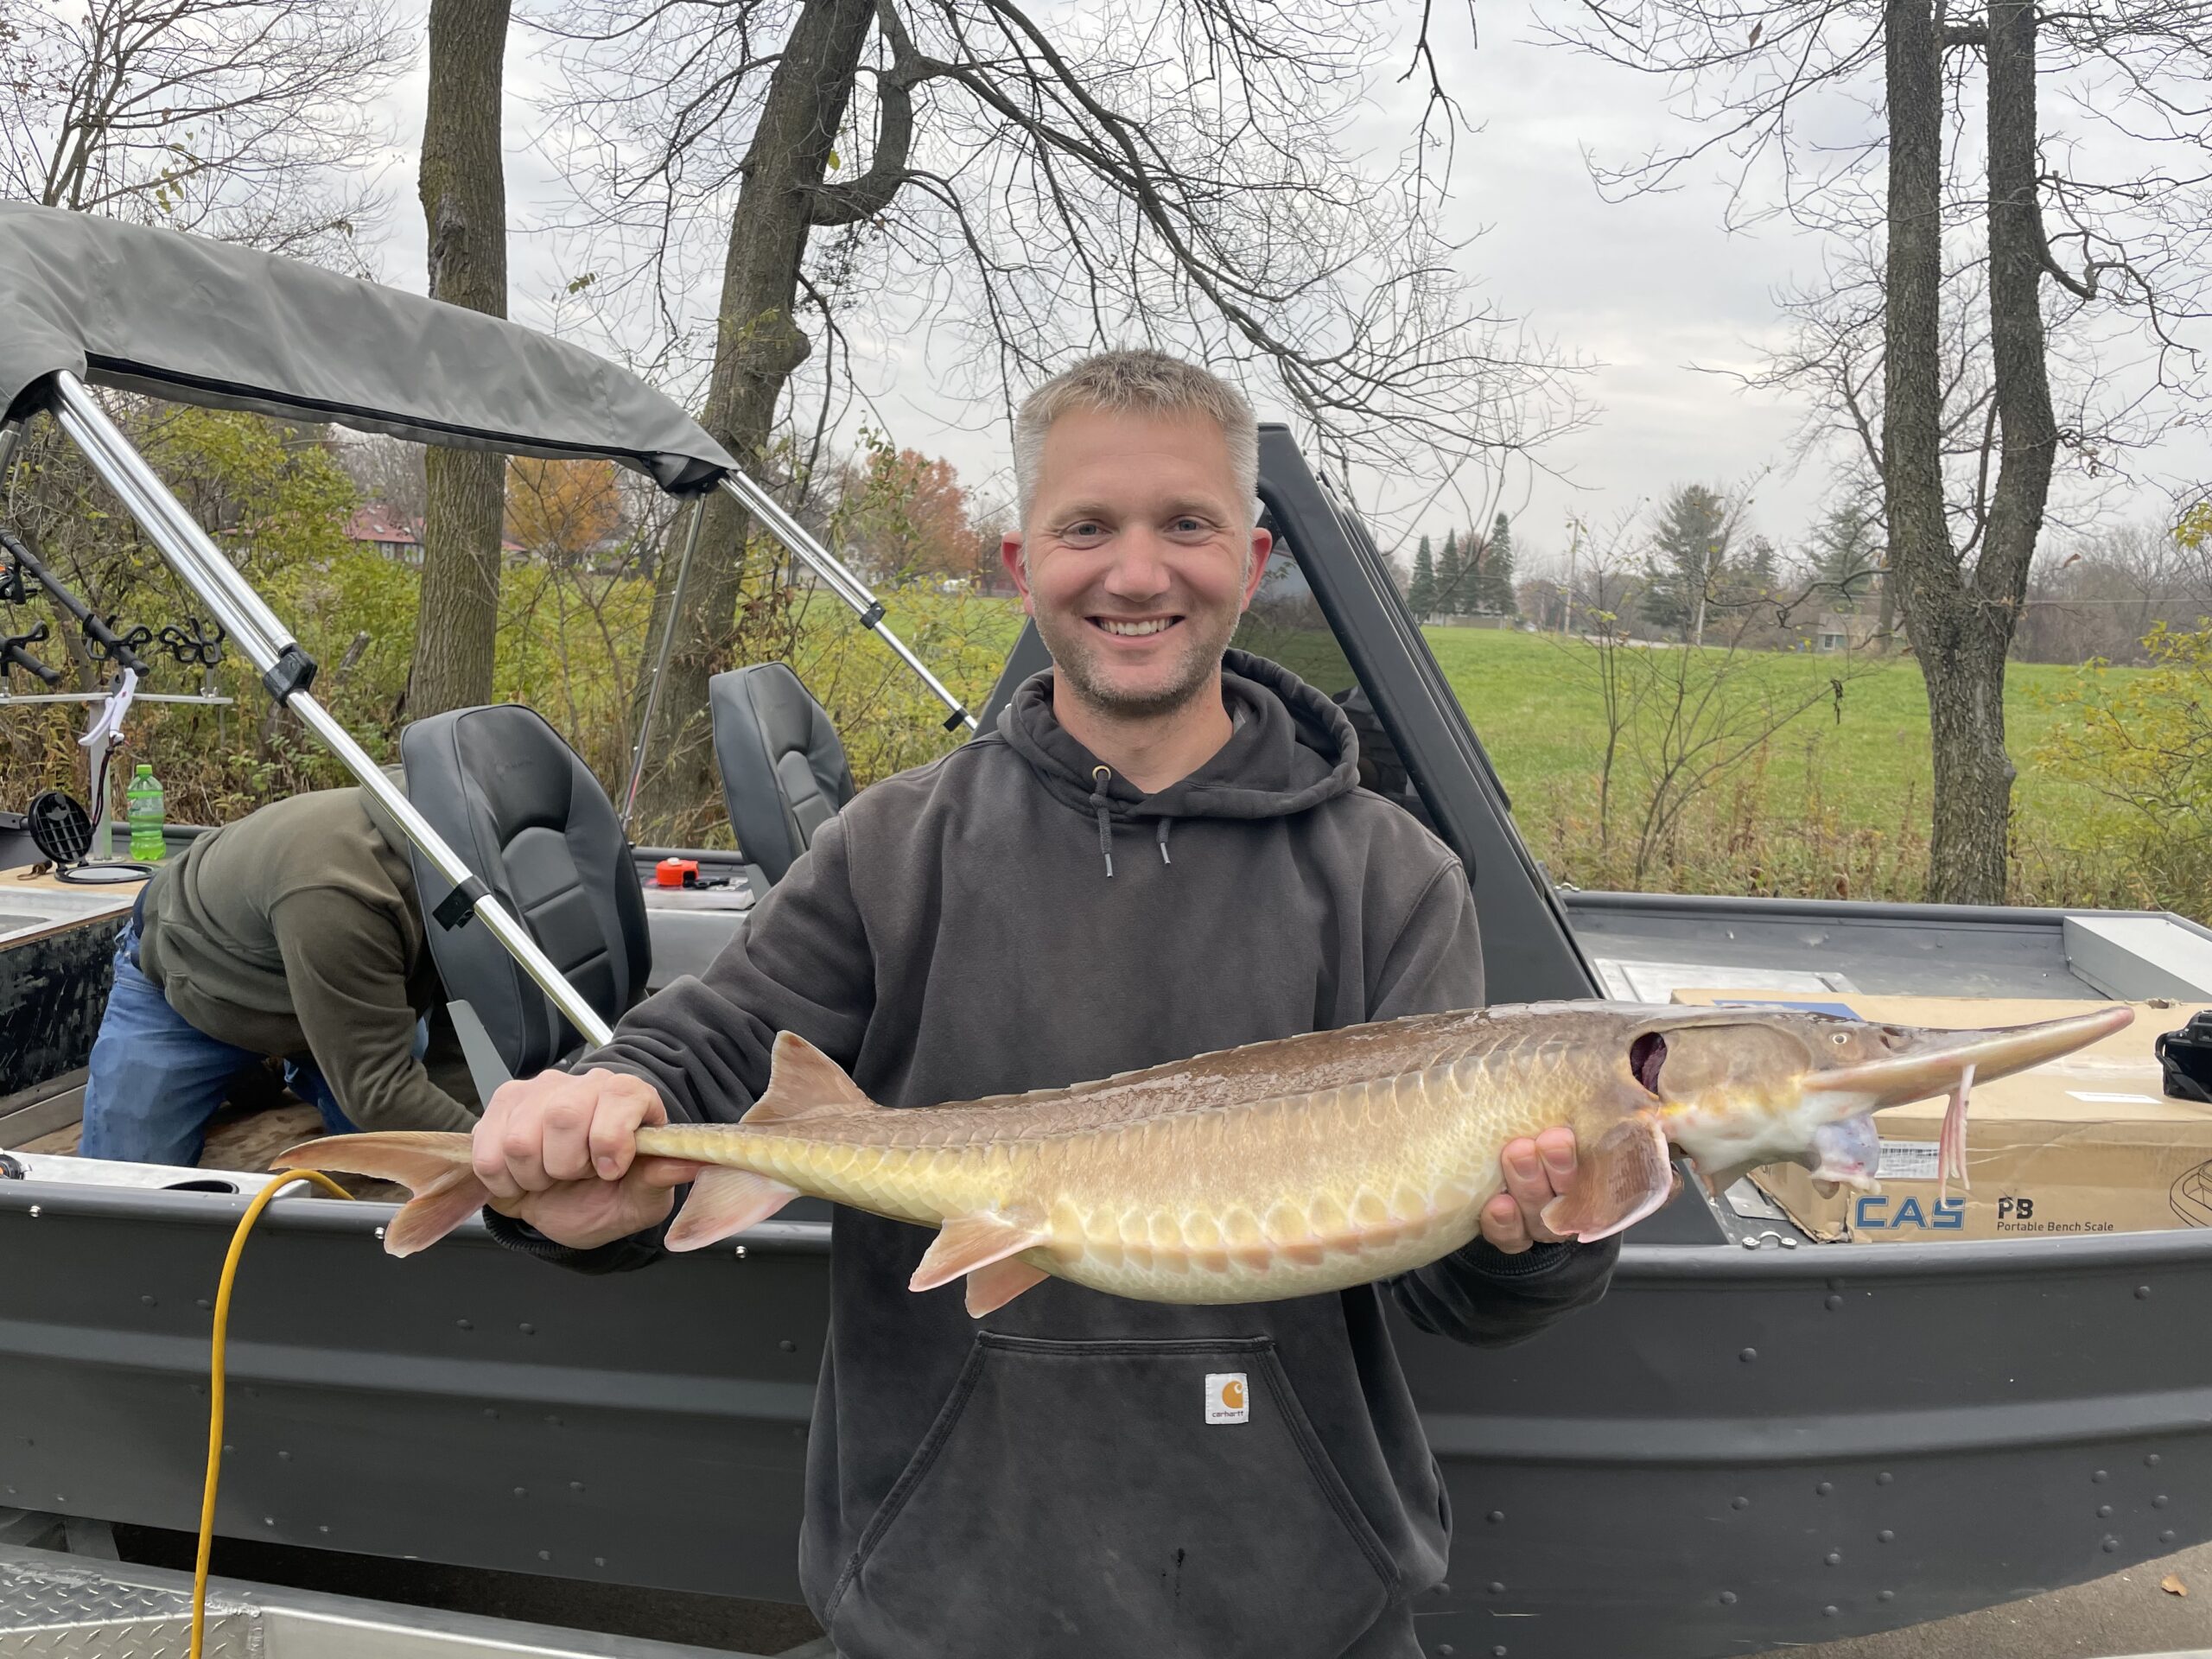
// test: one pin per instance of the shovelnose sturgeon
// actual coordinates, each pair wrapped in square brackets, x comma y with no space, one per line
[1296,1166]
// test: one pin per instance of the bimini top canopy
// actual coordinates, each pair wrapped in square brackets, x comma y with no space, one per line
[196,321]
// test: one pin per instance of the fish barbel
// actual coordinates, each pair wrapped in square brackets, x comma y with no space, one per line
[1299,1166]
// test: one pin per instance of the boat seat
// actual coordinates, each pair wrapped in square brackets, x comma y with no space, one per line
[526,814]
[783,770]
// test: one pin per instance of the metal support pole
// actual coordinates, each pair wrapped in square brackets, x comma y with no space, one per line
[270,647]
[847,587]
[660,662]
[11,433]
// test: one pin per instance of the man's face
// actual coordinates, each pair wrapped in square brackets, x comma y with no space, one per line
[1140,562]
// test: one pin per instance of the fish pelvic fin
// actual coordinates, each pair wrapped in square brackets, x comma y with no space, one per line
[991,1288]
[433,1166]
[968,1244]
[1619,1181]
[803,1083]
[725,1201]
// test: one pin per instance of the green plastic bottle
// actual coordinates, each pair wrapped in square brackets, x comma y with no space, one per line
[144,799]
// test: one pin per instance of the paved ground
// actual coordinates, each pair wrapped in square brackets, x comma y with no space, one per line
[2126,1613]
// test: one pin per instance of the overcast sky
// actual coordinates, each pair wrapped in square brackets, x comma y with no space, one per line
[1653,291]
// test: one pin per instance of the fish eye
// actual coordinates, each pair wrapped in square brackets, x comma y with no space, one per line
[1841,1038]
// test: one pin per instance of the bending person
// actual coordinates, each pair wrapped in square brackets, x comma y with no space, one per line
[291,933]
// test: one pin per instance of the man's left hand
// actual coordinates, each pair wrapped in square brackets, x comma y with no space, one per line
[1536,1172]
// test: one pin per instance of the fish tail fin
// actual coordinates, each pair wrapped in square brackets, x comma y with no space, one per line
[434,1166]
[804,1083]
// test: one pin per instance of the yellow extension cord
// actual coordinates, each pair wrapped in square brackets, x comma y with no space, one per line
[215,1384]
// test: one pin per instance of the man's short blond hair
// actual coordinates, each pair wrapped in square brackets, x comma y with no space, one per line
[1140,381]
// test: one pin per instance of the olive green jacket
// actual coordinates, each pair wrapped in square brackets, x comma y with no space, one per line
[294,932]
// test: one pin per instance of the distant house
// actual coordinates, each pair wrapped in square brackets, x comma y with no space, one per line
[385,530]
[1844,631]
[396,537]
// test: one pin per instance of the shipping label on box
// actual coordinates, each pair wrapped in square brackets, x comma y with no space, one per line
[2087,1144]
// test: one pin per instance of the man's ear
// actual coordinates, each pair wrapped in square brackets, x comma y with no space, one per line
[1010,556]
[1262,543]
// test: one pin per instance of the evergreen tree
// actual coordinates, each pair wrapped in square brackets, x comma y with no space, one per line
[1421,598]
[1847,551]
[1450,574]
[1497,569]
[1688,553]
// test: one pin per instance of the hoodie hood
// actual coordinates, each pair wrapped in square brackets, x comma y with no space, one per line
[1293,749]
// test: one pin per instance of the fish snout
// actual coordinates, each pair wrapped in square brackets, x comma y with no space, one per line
[1876,1067]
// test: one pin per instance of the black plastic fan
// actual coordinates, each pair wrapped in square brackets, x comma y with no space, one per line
[60,828]
[62,831]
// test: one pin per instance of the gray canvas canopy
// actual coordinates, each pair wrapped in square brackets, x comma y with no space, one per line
[195,322]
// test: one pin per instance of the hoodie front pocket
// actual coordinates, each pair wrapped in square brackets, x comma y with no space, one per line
[1115,1500]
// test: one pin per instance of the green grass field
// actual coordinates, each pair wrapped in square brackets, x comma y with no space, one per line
[1852,771]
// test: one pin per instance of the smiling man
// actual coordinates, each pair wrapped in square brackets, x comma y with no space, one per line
[1161,850]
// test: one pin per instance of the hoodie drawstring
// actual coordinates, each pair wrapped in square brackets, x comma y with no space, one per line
[1100,777]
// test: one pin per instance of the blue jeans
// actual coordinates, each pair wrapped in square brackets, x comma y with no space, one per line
[155,1079]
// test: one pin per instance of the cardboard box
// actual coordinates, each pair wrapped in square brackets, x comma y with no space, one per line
[2087,1144]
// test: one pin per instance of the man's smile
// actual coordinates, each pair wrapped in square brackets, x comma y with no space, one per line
[1132,628]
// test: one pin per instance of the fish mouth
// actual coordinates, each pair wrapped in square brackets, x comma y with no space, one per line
[1932,1062]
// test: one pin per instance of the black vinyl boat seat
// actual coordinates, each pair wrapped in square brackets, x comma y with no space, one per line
[526,814]
[783,770]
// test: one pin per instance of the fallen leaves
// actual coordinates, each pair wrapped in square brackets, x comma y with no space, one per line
[2172,1586]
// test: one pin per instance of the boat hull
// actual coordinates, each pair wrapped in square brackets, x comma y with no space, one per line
[1736,1450]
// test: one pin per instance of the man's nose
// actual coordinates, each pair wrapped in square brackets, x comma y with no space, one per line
[1140,568]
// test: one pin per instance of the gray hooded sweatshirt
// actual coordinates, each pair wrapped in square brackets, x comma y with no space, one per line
[1046,1480]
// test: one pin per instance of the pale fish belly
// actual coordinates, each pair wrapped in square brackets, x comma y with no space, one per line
[1291,1197]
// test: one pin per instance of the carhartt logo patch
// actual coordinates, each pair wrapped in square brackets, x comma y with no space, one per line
[1226,1398]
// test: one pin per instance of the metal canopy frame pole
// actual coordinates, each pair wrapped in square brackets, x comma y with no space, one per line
[847,587]
[286,671]
[660,663]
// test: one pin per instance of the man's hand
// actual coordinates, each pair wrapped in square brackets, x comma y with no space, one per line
[1536,1172]
[558,1152]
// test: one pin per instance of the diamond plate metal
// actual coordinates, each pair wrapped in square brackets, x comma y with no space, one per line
[64,1614]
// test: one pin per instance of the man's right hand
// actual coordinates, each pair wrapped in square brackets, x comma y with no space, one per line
[557,1151]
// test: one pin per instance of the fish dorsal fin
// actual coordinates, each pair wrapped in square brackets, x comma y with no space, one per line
[967,1243]
[803,1083]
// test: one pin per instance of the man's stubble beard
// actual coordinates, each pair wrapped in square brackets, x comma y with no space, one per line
[1073,660]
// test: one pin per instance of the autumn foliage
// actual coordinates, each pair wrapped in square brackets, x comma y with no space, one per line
[903,515]
[561,510]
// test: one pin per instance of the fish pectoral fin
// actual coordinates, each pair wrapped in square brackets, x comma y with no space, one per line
[991,1288]
[1617,1183]
[803,1083]
[967,1243]
[725,1201]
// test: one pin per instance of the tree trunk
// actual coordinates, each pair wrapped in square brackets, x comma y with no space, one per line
[463,187]
[757,347]
[1965,686]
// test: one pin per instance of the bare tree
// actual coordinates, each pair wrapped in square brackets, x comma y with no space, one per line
[1010,189]
[463,186]
[1760,73]
[388,471]
[240,119]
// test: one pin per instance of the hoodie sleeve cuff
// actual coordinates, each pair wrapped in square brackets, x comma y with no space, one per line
[619,1255]
[1486,1257]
